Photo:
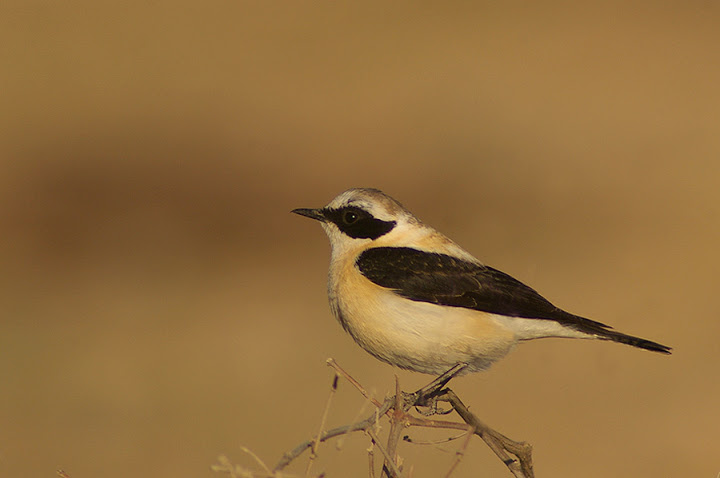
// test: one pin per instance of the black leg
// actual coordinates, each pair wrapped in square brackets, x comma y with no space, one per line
[421,396]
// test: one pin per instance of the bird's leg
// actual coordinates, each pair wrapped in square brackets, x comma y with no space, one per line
[426,396]
[434,386]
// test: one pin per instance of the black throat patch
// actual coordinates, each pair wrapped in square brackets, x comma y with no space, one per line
[358,223]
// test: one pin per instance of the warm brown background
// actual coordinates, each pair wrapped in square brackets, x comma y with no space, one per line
[160,306]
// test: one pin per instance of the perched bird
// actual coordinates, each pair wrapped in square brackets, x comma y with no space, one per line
[413,298]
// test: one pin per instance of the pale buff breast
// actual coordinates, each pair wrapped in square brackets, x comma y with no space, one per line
[414,335]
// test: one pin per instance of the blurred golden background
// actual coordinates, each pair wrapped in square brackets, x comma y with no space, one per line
[161,306]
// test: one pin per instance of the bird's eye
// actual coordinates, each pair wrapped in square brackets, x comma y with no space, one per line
[349,217]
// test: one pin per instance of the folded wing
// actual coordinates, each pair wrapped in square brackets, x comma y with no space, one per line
[446,280]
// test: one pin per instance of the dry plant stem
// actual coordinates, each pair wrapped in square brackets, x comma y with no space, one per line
[435,442]
[521,466]
[256,458]
[397,424]
[316,442]
[332,363]
[400,419]
[364,424]
[394,472]
[225,466]
[460,453]
[371,460]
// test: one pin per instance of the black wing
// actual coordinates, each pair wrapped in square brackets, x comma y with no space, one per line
[446,280]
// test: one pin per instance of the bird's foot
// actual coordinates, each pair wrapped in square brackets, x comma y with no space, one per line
[430,407]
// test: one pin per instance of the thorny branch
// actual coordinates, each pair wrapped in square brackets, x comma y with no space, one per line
[363,425]
[517,456]
[521,465]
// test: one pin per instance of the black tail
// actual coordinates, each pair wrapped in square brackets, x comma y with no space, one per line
[605,332]
[635,342]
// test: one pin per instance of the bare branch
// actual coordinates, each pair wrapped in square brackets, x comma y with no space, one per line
[397,424]
[332,363]
[460,453]
[517,456]
[407,439]
[371,458]
[257,459]
[389,461]
[357,426]
[316,442]
[237,471]
[520,466]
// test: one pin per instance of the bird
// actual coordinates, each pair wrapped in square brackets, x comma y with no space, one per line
[413,298]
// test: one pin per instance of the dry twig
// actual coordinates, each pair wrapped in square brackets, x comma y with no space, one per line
[371,459]
[459,454]
[397,424]
[362,425]
[392,468]
[332,363]
[316,442]
[520,466]
[517,456]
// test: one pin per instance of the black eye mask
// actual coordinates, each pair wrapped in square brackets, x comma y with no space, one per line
[358,223]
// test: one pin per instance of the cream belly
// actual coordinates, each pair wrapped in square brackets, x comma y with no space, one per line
[415,335]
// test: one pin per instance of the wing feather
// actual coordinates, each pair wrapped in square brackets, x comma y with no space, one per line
[450,281]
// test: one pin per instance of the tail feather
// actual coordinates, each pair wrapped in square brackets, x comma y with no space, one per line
[605,332]
[635,342]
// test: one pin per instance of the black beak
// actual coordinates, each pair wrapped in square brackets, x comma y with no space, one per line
[316,214]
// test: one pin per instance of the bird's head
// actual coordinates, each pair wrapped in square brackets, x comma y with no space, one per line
[361,215]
